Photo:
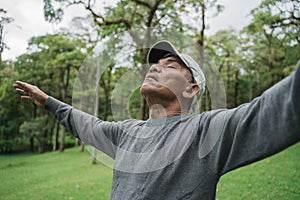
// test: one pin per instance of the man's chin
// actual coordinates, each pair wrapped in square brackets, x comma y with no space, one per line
[154,89]
[148,88]
[144,89]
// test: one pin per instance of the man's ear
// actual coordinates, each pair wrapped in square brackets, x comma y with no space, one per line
[191,91]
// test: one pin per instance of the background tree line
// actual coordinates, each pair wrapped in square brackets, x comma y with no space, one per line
[249,61]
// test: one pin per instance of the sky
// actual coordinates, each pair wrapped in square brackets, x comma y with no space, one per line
[29,21]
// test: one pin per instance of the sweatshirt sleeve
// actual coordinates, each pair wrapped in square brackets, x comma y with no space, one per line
[91,130]
[253,131]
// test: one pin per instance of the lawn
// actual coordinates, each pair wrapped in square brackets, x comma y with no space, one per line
[70,175]
[277,177]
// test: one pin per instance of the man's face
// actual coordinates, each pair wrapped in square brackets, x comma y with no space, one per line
[166,79]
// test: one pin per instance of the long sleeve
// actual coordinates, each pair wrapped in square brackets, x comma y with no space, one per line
[91,130]
[253,131]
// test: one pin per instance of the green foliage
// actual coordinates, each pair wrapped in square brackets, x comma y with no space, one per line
[254,59]
[274,34]
[37,128]
[51,64]
[51,14]
[143,20]
[134,104]
[10,117]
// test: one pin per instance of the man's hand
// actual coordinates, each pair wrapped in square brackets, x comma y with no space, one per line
[31,93]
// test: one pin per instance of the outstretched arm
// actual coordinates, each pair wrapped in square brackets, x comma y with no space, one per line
[91,130]
[31,93]
[255,130]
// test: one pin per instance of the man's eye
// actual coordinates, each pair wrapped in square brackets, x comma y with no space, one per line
[171,67]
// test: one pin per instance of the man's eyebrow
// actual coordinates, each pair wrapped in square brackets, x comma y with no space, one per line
[173,59]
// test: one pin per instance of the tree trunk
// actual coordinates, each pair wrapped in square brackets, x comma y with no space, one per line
[203,24]
[41,148]
[200,41]
[81,146]
[106,105]
[62,139]
[143,103]
[1,42]
[251,89]
[56,134]
[228,77]
[31,143]
[80,143]
[42,143]
[207,100]
[63,88]
[96,108]
[236,87]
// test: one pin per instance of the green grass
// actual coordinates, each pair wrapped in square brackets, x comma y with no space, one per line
[276,177]
[70,175]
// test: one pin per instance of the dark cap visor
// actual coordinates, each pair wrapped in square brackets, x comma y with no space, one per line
[158,51]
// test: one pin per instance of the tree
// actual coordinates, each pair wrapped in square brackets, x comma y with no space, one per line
[3,20]
[9,107]
[224,47]
[136,17]
[275,26]
[52,64]
[198,13]
[195,25]
[37,128]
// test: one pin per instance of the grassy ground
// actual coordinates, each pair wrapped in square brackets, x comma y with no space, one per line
[277,177]
[70,175]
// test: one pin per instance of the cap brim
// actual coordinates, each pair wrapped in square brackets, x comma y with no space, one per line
[159,49]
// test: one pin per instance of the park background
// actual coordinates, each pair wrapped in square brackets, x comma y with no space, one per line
[39,158]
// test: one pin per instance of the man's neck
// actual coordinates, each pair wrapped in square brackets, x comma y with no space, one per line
[158,111]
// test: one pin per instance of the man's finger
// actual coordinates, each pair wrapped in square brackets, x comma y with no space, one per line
[22,85]
[15,85]
[20,82]
[28,98]
[21,91]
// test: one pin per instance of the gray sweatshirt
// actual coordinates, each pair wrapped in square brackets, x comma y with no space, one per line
[183,157]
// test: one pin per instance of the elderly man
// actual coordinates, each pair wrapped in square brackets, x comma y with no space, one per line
[173,154]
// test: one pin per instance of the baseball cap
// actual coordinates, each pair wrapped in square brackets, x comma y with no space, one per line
[161,48]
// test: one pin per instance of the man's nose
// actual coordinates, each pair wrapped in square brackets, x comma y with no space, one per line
[155,68]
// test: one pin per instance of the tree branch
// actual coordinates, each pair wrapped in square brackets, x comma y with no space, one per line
[143,3]
[152,12]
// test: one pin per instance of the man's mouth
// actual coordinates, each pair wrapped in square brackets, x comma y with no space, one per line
[151,76]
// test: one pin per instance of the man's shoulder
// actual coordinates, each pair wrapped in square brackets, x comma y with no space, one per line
[131,122]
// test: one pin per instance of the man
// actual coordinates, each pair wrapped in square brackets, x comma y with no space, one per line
[176,155]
